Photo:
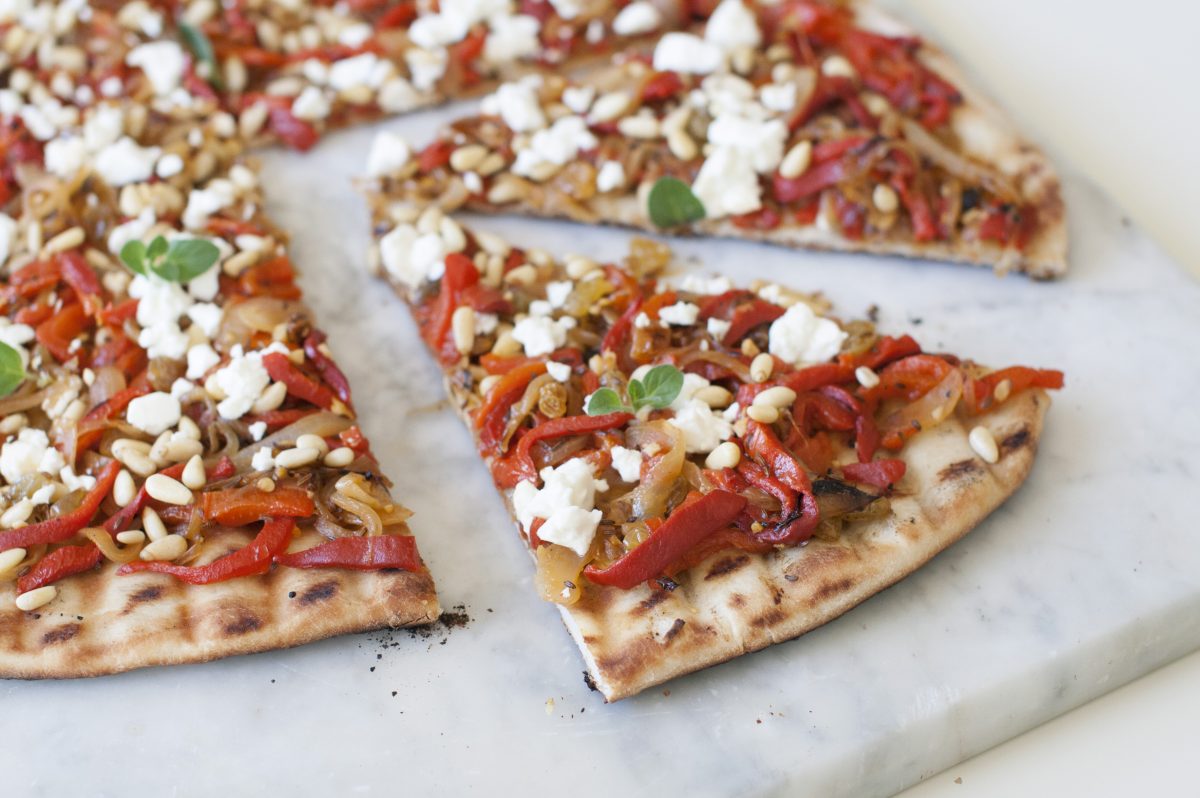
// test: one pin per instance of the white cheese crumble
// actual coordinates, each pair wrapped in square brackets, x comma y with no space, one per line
[732,26]
[389,152]
[517,104]
[541,335]
[557,292]
[559,371]
[242,381]
[154,413]
[311,104]
[160,305]
[8,231]
[263,460]
[257,430]
[628,463]
[124,162]
[708,286]
[558,144]
[511,38]
[717,328]
[801,336]
[610,177]
[162,63]
[702,429]
[681,314]
[685,52]
[29,453]
[200,360]
[578,98]
[566,501]
[635,18]
[16,336]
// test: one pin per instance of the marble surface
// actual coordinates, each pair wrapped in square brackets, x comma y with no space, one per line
[1084,580]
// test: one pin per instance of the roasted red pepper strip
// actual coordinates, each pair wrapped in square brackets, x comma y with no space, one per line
[57,332]
[748,316]
[491,416]
[983,391]
[558,428]
[328,370]
[253,559]
[121,520]
[910,378]
[762,444]
[79,275]
[298,383]
[245,505]
[460,274]
[886,350]
[62,527]
[811,377]
[691,522]
[358,554]
[880,474]
[61,562]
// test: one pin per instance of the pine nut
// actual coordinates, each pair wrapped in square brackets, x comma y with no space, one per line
[492,244]
[310,441]
[884,198]
[271,398]
[158,452]
[866,377]
[188,428]
[193,473]
[837,66]
[171,547]
[180,450]
[138,463]
[1003,390]
[11,559]
[123,489]
[340,457]
[682,145]
[153,524]
[609,106]
[166,489]
[491,165]
[578,266]
[487,383]
[778,397]
[639,127]
[32,599]
[521,275]
[296,458]
[67,239]
[265,484]
[131,537]
[506,345]
[763,414]
[761,367]
[796,162]
[714,396]
[464,159]
[452,235]
[984,444]
[123,445]
[541,172]
[462,325]
[749,348]
[726,455]
[508,188]
[429,220]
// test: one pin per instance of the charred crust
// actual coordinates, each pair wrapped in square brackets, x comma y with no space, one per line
[726,565]
[830,589]
[771,617]
[145,594]
[675,629]
[653,600]
[245,622]
[737,600]
[60,635]
[959,470]
[590,682]
[1017,440]
[319,592]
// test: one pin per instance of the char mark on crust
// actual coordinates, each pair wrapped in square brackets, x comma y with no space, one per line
[726,565]
[675,629]
[319,592]
[771,617]
[830,589]
[144,595]
[959,470]
[245,622]
[655,598]
[1016,440]
[60,635]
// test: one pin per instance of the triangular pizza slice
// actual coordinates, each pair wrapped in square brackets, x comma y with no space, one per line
[182,474]
[700,470]
[804,122]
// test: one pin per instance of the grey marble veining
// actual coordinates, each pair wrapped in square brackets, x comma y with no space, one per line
[1084,580]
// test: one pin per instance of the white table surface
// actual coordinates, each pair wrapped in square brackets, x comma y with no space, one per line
[1110,93]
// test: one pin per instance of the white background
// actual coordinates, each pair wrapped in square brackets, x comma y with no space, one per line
[1109,87]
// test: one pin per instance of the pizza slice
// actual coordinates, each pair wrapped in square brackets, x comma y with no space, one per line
[700,470]
[182,475]
[804,123]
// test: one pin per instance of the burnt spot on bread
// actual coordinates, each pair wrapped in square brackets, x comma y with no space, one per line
[243,623]
[675,629]
[776,595]
[1016,440]
[655,598]
[737,601]
[60,635]
[771,617]
[319,592]
[830,589]
[959,470]
[726,565]
[142,596]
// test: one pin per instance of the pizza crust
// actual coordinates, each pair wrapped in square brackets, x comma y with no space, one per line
[102,623]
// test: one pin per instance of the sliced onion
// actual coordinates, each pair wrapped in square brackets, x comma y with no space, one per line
[371,525]
[21,402]
[522,409]
[108,546]
[323,424]
[726,361]
[968,171]
[932,409]
[649,499]
[108,383]
[260,314]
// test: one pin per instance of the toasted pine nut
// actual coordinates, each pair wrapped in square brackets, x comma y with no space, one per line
[340,457]
[265,484]
[487,383]
[310,441]
[11,559]
[32,599]
[763,414]
[153,524]
[131,537]
[884,198]
[138,463]
[578,266]
[866,377]
[609,106]
[188,428]
[749,348]
[124,489]
[193,473]
[1002,390]
[639,127]
[984,444]
[837,66]
[167,489]
[761,367]
[682,145]
[524,274]
[67,239]
[464,159]
[726,455]
[181,450]
[271,398]
[171,547]
[714,396]
[796,161]
[777,396]
[296,458]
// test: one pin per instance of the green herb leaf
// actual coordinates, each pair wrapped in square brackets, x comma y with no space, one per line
[672,203]
[157,248]
[605,401]
[637,393]
[186,259]
[202,49]
[661,385]
[12,371]
[133,255]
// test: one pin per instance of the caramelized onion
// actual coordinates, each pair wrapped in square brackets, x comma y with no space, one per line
[649,499]
[968,171]
[726,361]
[22,401]
[371,525]
[260,314]
[523,408]
[108,547]
[109,382]
[930,410]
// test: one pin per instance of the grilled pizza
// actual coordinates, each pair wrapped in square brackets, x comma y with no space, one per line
[183,474]
[804,122]
[700,470]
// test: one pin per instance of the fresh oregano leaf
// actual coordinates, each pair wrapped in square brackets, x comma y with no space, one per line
[133,255]
[661,385]
[671,203]
[603,402]
[186,259]
[12,370]
[202,50]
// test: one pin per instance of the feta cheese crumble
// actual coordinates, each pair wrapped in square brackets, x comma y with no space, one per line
[801,336]
[566,502]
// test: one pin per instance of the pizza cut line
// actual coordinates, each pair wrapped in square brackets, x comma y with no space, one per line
[700,470]
[803,123]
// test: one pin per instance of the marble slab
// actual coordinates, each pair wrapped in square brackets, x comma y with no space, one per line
[1086,579]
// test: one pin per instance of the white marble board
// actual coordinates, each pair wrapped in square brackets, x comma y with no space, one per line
[1086,579]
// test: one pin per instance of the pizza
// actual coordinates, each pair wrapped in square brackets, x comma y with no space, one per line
[183,474]
[805,123]
[700,470]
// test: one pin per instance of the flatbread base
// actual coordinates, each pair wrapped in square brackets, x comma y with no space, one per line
[102,623]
